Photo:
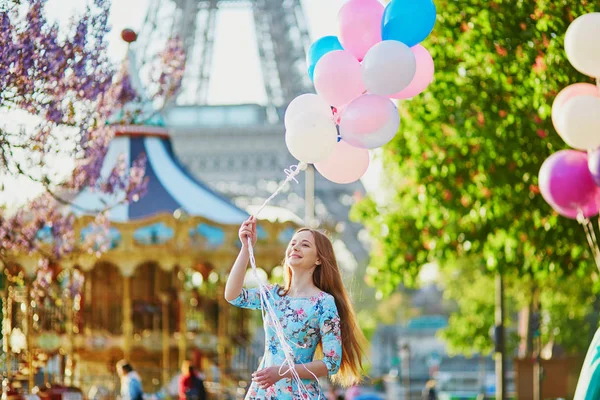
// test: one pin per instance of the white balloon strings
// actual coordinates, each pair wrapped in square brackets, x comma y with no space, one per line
[590,235]
[268,312]
[291,173]
[588,226]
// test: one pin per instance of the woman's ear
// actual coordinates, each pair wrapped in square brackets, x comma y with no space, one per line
[318,262]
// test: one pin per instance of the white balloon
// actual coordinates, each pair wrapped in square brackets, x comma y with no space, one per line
[388,67]
[312,141]
[307,103]
[581,123]
[582,44]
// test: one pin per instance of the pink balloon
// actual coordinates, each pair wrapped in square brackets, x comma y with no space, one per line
[571,91]
[590,209]
[346,164]
[369,122]
[367,113]
[423,77]
[338,78]
[567,185]
[359,23]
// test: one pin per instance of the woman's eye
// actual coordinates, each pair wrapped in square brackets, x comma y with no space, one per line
[304,245]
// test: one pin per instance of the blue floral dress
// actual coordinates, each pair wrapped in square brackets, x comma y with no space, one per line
[306,321]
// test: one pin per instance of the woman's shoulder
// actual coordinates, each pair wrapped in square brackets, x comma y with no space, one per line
[274,289]
[326,299]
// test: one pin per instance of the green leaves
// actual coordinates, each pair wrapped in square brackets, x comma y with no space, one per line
[471,146]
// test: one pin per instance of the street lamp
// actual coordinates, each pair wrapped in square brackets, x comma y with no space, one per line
[405,358]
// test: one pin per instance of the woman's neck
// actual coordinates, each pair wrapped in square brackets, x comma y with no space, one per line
[302,284]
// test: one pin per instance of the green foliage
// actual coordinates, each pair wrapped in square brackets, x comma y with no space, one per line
[569,312]
[465,162]
[468,330]
[566,307]
[463,169]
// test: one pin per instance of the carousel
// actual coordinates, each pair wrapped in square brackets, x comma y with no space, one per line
[154,296]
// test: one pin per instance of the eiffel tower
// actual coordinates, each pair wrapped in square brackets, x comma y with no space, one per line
[240,149]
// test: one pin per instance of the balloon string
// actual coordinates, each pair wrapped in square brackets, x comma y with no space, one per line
[594,241]
[291,173]
[268,312]
[590,235]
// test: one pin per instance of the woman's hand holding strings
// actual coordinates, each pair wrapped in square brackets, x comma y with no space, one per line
[248,230]
[267,377]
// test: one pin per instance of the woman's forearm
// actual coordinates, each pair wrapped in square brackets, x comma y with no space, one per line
[235,281]
[309,370]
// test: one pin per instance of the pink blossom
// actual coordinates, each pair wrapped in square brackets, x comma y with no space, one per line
[67,80]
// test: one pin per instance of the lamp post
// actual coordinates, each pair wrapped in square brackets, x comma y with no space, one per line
[309,197]
[500,349]
[405,357]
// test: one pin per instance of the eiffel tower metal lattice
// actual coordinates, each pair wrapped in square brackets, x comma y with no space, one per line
[240,149]
[281,36]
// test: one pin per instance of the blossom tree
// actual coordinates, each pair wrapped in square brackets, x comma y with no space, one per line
[64,79]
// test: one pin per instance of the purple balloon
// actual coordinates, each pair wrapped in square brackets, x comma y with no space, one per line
[567,184]
[594,165]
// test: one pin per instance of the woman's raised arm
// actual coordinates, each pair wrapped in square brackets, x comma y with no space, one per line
[235,281]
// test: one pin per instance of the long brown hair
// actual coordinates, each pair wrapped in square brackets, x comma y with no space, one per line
[327,278]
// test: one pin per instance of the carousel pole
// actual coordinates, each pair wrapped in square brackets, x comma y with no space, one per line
[127,317]
[29,264]
[221,331]
[69,364]
[182,342]
[7,328]
[29,335]
[129,36]
[164,299]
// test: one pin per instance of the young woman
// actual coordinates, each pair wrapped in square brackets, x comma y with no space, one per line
[314,311]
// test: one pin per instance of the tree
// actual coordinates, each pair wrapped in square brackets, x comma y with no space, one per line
[62,80]
[464,165]
[566,308]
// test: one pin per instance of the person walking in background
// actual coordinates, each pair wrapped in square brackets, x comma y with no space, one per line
[191,385]
[131,383]
[429,392]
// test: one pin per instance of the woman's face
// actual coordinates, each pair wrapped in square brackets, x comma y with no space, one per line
[302,251]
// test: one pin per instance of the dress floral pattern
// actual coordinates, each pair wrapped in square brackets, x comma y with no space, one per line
[306,321]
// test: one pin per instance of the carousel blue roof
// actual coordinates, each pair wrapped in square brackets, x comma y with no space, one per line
[170,186]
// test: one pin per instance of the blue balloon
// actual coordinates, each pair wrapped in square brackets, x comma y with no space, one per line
[318,49]
[408,21]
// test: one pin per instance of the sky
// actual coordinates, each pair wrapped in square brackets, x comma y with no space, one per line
[234,41]
[234,46]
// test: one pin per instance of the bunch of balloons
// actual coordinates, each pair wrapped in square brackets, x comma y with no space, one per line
[375,58]
[570,179]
